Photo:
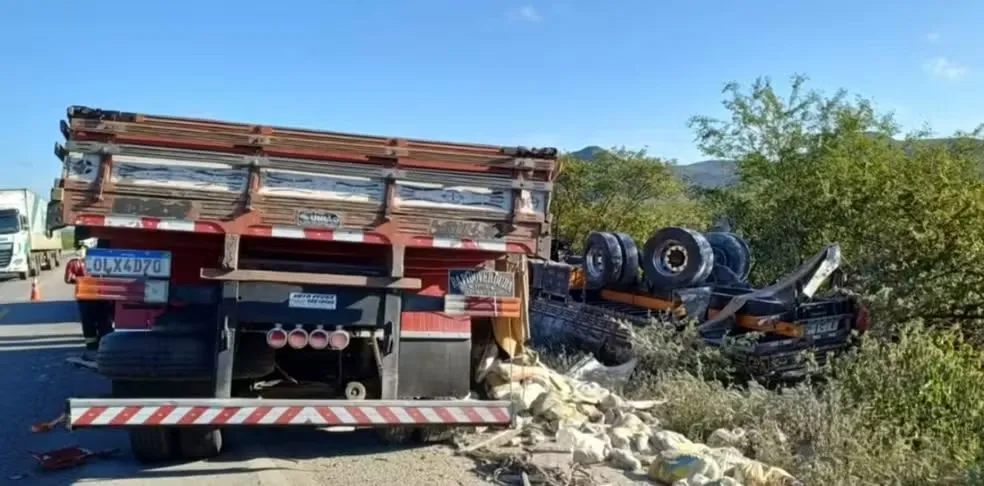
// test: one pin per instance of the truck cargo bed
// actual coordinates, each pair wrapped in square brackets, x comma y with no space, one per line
[168,173]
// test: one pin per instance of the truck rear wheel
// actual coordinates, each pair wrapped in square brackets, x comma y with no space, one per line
[199,443]
[147,444]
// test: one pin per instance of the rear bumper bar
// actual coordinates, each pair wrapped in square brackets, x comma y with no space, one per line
[140,412]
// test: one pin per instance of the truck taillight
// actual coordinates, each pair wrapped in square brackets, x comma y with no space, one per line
[297,338]
[318,339]
[122,289]
[276,338]
[339,340]
[862,318]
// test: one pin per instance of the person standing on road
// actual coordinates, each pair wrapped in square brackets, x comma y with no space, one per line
[93,314]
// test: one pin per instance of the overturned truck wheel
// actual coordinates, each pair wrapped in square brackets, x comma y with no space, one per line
[732,253]
[676,258]
[602,260]
[630,259]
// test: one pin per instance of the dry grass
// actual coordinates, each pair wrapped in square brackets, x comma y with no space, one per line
[909,412]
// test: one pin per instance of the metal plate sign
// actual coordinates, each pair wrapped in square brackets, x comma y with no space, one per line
[301,300]
[463,229]
[100,262]
[309,218]
[158,208]
[481,283]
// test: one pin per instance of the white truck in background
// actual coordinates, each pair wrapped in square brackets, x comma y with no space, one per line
[25,245]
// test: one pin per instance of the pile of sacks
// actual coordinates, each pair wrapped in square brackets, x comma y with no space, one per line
[598,427]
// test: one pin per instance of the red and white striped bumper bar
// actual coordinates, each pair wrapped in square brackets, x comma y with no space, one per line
[139,412]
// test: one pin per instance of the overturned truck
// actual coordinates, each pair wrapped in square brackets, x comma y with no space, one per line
[594,302]
[270,276]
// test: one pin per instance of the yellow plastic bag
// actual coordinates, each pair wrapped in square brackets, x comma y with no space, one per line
[755,473]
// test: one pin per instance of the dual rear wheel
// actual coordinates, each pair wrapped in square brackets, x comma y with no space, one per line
[168,365]
[672,258]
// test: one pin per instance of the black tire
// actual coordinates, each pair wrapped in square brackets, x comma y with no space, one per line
[630,259]
[435,435]
[398,435]
[154,356]
[676,258]
[197,443]
[731,252]
[602,260]
[148,444]
[22,275]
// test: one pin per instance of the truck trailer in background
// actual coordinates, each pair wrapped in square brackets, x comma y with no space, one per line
[26,248]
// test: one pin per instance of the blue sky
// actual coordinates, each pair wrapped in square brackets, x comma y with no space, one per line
[567,73]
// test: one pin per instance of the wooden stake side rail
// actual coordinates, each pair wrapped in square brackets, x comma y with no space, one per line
[180,174]
[142,129]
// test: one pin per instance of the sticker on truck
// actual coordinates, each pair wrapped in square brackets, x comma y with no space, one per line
[302,300]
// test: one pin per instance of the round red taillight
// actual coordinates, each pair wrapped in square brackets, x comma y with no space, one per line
[862,319]
[318,339]
[339,340]
[276,338]
[297,338]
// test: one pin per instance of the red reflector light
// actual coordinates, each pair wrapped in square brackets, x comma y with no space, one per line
[862,319]
[298,338]
[318,339]
[339,340]
[276,338]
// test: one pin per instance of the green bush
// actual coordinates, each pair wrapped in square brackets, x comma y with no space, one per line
[890,413]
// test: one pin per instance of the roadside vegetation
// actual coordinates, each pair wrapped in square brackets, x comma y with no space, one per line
[907,406]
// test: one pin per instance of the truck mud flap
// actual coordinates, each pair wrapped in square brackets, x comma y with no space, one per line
[138,412]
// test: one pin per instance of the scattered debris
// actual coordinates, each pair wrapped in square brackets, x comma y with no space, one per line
[512,469]
[596,426]
[81,362]
[590,369]
[69,457]
[43,427]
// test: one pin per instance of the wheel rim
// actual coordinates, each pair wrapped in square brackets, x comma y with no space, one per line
[671,258]
[594,262]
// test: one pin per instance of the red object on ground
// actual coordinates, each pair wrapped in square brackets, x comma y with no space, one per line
[68,457]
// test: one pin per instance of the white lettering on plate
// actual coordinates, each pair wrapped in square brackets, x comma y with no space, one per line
[312,301]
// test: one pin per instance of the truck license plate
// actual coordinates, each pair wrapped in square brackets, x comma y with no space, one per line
[101,262]
[823,326]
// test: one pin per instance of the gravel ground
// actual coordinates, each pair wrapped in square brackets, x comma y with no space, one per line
[35,339]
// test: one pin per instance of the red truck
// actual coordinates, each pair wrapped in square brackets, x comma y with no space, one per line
[269,276]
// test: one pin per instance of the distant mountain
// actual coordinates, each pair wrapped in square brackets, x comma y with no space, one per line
[720,173]
[706,173]
[588,153]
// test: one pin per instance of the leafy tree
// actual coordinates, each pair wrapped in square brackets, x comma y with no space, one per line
[620,190]
[908,213]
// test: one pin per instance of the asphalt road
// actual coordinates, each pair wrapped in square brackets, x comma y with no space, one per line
[35,339]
